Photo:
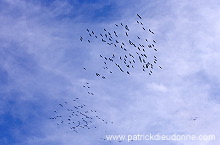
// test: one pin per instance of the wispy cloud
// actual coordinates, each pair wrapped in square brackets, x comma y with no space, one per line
[42,62]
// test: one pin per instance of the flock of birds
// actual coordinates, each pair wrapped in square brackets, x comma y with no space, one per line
[128,53]
[76,116]
[134,50]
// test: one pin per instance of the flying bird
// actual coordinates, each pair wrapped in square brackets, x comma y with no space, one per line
[139,16]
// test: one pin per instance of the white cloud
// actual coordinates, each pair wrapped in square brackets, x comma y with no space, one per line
[43,60]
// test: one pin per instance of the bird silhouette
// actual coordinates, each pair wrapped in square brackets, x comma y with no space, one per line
[139,16]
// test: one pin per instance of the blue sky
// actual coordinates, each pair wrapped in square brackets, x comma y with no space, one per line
[42,61]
